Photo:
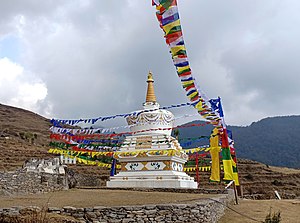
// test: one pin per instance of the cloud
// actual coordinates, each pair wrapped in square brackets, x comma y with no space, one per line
[19,90]
[93,56]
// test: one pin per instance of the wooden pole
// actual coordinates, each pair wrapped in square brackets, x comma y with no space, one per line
[238,188]
[197,170]
[225,143]
[235,193]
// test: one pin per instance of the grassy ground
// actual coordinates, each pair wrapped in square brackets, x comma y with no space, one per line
[258,210]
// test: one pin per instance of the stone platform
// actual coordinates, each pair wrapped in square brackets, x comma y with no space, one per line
[152,179]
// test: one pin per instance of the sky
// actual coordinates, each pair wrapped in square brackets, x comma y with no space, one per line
[71,59]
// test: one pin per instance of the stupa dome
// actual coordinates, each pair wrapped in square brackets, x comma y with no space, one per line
[151,120]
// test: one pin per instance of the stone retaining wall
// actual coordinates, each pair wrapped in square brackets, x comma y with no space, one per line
[85,180]
[204,210]
[23,182]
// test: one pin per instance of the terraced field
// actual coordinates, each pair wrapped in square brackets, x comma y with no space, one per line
[259,181]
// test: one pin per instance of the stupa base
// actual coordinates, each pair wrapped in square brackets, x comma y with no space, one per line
[152,179]
[152,184]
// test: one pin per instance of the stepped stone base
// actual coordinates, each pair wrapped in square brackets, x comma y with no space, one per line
[152,179]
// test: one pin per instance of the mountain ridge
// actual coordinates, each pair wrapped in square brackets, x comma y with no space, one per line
[272,140]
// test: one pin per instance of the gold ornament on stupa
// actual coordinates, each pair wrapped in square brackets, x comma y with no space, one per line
[150,97]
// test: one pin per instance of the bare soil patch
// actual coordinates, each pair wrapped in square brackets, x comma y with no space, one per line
[99,197]
[285,170]
[258,210]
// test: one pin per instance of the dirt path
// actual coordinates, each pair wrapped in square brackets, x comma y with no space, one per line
[98,197]
[258,210]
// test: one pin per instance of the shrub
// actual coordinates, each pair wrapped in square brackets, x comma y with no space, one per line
[249,176]
[22,135]
[277,183]
[273,217]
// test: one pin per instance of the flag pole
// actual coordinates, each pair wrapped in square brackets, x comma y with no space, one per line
[225,143]
[238,187]
[113,167]
[197,169]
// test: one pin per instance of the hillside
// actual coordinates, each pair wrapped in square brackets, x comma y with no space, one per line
[24,135]
[273,141]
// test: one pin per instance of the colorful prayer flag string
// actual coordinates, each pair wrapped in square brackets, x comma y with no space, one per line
[59,122]
[168,17]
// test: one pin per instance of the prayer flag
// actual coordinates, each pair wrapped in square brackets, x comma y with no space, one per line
[170,26]
[167,20]
[170,11]
[215,157]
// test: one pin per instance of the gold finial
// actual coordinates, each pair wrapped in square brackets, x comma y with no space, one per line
[150,97]
[150,77]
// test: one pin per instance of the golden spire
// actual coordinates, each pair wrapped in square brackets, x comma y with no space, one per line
[150,97]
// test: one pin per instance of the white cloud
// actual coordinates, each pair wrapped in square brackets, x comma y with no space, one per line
[20,88]
[9,71]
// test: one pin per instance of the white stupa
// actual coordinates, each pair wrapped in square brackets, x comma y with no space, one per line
[151,157]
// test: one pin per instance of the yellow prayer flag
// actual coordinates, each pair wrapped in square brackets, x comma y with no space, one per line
[235,174]
[169,26]
[228,172]
[198,106]
[158,7]
[186,83]
[180,69]
[174,51]
[236,178]
[215,157]
[192,95]
[215,164]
